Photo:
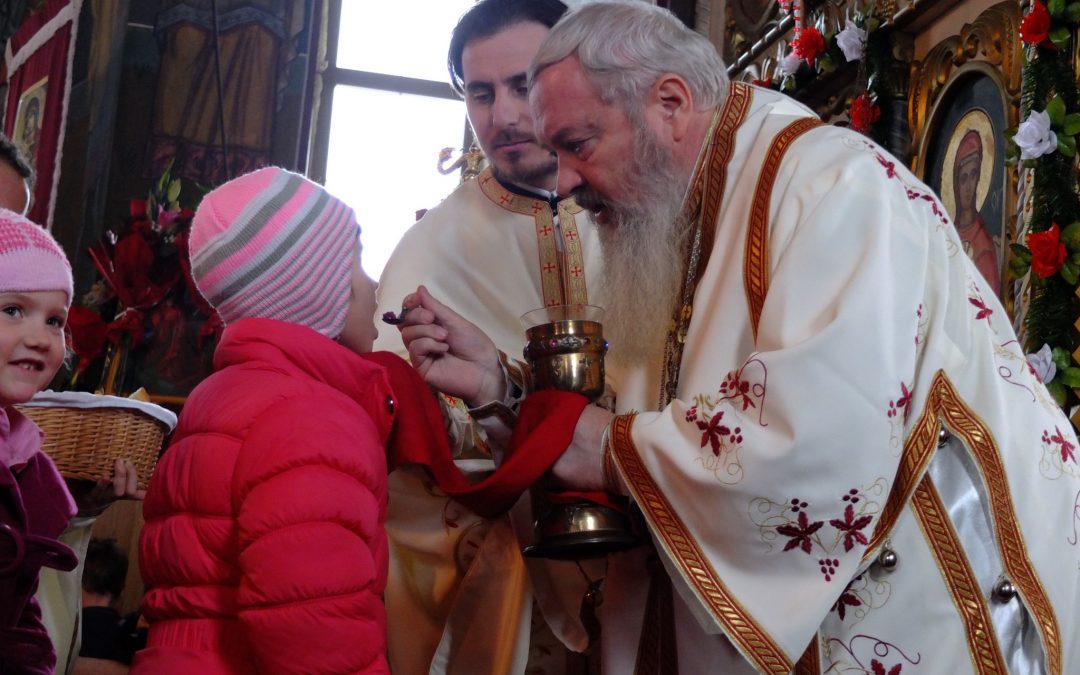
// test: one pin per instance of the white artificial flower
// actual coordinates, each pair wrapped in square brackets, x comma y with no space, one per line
[852,41]
[789,65]
[1034,137]
[1042,364]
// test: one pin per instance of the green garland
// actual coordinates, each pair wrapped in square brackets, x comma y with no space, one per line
[1049,86]
[874,74]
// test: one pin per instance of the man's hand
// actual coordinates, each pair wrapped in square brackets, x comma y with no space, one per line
[450,353]
[92,498]
[581,466]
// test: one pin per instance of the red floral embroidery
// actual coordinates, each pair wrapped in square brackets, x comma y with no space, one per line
[912,195]
[851,527]
[794,521]
[915,195]
[919,319]
[828,567]
[800,534]
[846,599]
[902,403]
[733,387]
[984,311]
[877,648]
[1063,444]
[713,433]
[879,669]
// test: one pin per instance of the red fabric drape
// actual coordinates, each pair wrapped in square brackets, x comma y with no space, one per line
[544,430]
[39,51]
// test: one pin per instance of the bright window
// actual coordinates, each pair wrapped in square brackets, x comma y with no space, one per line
[387,112]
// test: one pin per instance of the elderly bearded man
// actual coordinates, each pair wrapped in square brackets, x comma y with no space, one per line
[461,594]
[841,454]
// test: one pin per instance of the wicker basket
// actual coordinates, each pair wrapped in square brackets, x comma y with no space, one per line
[84,442]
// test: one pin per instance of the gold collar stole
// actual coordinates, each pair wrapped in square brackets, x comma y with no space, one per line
[702,208]
[561,271]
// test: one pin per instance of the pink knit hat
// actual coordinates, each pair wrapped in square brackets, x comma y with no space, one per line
[30,259]
[274,245]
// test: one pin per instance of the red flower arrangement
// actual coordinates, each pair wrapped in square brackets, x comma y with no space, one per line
[146,285]
[809,44]
[1048,252]
[864,113]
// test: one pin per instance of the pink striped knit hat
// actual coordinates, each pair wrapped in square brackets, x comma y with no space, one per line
[30,259]
[272,244]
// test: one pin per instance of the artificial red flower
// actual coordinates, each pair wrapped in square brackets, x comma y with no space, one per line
[211,328]
[864,113]
[87,331]
[129,322]
[809,45]
[767,83]
[1047,251]
[139,279]
[137,208]
[1035,28]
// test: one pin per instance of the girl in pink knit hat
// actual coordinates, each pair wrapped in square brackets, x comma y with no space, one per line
[264,549]
[35,505]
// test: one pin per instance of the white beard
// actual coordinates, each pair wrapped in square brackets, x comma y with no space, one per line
[644,248]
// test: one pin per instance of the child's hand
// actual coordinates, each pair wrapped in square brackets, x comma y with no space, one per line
[450,353]
[92,498]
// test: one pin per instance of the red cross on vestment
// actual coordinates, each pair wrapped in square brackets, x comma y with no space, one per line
[549,268]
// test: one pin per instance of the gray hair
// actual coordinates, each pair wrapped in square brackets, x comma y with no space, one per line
[624,47]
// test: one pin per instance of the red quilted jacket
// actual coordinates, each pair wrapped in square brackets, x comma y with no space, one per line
[264,549]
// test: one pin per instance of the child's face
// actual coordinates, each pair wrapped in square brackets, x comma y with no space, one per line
[31,342]
[360,332]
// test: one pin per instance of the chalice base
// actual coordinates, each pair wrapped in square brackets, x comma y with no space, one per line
[581,530]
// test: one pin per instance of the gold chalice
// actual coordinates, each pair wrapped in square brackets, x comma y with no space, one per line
[565,349]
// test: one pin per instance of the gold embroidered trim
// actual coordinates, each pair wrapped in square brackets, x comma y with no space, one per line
[609,472]
[810,662]
[574,271]
[963,423]
[562,274]
[715,179]
[750,638]
[550,261]
[918,449]
[963,586]
[706,195]
[756,255]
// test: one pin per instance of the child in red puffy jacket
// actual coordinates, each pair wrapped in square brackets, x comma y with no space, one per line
[35,505]
[264,549]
